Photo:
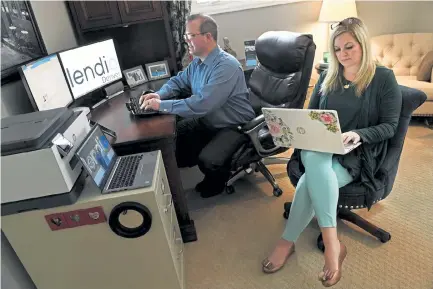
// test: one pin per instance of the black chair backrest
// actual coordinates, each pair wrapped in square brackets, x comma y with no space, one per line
[411,100]
[282,76]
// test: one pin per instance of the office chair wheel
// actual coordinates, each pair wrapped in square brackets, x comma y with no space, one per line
[287,207]
[230,190]
[278,192]
[384,236]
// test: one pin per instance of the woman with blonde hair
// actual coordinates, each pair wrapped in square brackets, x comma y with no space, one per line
[368,101]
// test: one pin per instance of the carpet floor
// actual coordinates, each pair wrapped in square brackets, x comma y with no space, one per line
[235,232]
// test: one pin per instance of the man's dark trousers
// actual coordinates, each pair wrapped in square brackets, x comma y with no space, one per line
[210,148]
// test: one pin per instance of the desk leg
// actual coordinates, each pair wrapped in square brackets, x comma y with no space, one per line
[186,225]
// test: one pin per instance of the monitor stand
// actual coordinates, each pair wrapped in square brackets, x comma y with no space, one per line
[90,100]
[95,98]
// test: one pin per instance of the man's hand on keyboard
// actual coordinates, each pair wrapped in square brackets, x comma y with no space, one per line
[148,96]
[152,103]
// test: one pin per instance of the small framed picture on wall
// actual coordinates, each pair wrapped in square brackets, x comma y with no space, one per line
[158,70]
[135,76]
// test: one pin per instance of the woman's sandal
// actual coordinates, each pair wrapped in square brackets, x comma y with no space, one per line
[337,274]
[268,267]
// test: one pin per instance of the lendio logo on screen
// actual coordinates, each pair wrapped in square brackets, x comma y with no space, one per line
[90,67]
[99,69]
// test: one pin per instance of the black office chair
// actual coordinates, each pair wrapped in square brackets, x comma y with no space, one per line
[281,79]
[353,196]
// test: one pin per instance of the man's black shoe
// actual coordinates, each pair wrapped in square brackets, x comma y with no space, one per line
[209,189]
[211,193]
[202,186]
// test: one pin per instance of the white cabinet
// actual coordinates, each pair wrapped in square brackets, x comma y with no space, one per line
[93,256]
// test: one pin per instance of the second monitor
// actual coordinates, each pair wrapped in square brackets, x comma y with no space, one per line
[45,83]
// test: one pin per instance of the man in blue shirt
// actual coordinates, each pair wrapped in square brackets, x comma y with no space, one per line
[219,102]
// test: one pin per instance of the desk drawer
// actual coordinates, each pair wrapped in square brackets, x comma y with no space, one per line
[170,223]
[162,192]
[174,239]
[164,201]
[177,249]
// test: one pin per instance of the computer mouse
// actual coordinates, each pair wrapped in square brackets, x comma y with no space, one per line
[147,92]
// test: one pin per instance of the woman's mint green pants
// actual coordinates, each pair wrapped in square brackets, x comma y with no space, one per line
[316,193]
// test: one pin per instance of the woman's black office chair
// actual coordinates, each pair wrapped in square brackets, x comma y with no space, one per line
[280,79]
[353,195]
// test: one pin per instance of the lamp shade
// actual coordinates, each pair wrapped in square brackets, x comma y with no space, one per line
[337,10]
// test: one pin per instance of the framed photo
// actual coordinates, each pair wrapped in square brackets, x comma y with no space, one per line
[20,37]
[135,76]
[158,70]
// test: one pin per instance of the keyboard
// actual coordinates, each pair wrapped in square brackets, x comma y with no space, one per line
[125,172]
[350,146]
[134,107]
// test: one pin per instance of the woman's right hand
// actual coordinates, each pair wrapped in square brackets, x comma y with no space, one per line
[350,136]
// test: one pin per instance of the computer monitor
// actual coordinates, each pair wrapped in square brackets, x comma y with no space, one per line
[90,67]
[45,83]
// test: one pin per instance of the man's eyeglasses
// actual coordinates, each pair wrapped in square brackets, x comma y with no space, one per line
[346,22]
[190,36]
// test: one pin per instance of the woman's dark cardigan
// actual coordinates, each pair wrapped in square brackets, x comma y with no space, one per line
[377,123]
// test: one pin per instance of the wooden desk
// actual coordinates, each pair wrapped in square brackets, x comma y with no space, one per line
[142,134]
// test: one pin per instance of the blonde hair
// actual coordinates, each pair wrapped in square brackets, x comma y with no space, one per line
[333,79]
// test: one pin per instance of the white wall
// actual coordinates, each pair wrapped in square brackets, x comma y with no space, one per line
[14,99]
[57,34]
[55,26]
[381,17]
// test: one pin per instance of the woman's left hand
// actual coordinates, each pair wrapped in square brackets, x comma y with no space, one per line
[350,136]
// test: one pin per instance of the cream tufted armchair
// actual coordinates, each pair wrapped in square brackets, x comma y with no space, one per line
[403,53]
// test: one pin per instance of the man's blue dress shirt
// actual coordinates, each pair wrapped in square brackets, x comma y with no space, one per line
[218,91]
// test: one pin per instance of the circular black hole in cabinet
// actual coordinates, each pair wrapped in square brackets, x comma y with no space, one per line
[127,231]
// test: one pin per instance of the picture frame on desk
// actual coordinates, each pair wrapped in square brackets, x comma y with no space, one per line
[135,76]
[158,70]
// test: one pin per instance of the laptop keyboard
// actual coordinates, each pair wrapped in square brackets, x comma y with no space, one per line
[125,172]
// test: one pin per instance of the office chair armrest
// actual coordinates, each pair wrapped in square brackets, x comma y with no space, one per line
[252,124]
[252,129]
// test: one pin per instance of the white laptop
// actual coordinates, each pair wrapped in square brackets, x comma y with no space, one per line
[309,129]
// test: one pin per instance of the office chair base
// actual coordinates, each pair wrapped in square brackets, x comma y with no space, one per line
[267,174]
[230,190]
[253,167]
[241,173]
[345,214]
[382,235]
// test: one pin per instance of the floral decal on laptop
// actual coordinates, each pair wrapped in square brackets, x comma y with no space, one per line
[281,134]
[327,118]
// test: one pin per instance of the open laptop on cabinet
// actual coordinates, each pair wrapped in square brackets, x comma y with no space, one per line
[110,172]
